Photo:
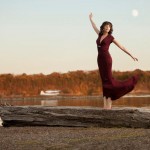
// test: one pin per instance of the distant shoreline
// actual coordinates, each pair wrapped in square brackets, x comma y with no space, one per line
[66,97]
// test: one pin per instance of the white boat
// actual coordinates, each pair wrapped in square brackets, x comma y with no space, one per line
[50,92]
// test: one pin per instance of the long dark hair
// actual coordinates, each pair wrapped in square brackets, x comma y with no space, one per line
[106,23]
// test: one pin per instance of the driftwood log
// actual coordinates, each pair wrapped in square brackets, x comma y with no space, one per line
[131,117]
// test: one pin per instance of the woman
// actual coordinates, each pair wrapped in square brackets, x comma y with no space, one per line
[112,89]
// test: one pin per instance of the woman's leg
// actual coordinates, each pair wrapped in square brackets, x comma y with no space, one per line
[109,103]
[105,102]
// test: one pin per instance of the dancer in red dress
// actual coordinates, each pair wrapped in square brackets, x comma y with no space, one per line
[112,88]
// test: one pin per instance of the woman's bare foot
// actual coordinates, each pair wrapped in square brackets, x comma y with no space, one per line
[107,103]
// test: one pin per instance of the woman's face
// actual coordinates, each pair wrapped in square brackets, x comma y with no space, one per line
[106,28]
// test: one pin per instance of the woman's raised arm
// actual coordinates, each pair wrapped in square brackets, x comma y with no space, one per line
[93,24]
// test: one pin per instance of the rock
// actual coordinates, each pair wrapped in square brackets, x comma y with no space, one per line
[75,116]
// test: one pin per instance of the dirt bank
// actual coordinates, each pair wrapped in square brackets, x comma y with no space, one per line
[49,138]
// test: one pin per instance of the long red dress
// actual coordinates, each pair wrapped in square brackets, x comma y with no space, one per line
[111,87]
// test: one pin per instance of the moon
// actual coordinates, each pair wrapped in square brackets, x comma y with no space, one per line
[135,12]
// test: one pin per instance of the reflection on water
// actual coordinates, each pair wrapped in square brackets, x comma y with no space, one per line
[133,102]
[128,101]
[49,102]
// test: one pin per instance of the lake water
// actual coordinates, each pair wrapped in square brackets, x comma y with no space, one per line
[127,101]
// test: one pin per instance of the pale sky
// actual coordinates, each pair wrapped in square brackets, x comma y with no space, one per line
[45,36]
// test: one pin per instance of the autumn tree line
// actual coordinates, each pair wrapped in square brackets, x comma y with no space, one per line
[71,83]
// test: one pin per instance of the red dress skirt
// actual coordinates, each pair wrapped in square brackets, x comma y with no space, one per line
[111,87]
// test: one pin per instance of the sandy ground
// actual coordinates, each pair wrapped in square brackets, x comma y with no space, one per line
[74,138]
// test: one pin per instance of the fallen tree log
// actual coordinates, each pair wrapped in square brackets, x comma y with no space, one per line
[75,116]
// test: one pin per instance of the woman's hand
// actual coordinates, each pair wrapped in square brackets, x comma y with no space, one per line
[135,59]
[90,15]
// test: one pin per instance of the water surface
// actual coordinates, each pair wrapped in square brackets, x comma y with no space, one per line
[127,101]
